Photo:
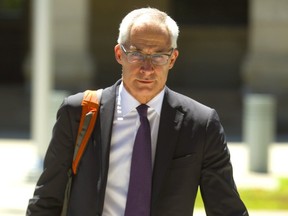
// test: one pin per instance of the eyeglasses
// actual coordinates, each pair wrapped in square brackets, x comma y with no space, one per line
[135,57]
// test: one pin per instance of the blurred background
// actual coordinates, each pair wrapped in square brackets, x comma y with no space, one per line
[227,49]
[233,57]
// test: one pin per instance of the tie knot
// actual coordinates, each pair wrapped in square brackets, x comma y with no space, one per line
[142,110]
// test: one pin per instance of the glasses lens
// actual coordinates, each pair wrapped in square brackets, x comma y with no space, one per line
[138,57]
[135,57]
[159,59]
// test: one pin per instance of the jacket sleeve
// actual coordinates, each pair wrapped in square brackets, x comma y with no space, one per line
[217,185]
[49,192]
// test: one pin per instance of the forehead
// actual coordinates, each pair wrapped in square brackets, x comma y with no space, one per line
[147,34]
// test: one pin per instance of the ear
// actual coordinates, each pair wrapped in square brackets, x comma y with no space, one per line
[118,53]
[173,58]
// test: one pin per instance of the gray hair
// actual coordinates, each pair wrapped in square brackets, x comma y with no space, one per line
[157,15]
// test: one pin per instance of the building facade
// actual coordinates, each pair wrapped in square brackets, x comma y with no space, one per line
[227,49]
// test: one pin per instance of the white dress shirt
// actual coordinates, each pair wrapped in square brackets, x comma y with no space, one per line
[125,125]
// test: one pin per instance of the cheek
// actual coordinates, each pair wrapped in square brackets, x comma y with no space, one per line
[162,76]
[129,71]
[164,79]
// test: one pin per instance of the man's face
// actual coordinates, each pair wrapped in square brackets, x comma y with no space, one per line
[144,80]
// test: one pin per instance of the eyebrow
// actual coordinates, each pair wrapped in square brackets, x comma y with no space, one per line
[136,49]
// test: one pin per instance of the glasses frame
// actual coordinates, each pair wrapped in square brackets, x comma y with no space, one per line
[146,56]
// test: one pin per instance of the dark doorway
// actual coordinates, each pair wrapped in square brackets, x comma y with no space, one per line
[14,39]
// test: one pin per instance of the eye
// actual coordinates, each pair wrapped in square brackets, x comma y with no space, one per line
[136,55]
[158,56]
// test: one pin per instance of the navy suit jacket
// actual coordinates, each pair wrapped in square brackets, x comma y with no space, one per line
[191,151]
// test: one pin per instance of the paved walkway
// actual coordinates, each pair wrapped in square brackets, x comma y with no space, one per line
[18,157]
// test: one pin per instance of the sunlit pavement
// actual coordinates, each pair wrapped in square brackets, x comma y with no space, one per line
[198,212]
[18,161]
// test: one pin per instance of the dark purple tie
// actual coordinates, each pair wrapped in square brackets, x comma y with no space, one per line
[139,191]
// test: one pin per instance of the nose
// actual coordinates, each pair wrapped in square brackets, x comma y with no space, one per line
[147,65]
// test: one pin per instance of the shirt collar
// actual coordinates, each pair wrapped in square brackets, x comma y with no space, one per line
[128,102]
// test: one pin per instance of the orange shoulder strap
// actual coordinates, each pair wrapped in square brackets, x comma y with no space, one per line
[90,107]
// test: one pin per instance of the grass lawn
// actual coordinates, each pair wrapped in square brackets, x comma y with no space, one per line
[255,199]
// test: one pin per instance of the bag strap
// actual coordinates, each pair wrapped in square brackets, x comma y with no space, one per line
[90,107]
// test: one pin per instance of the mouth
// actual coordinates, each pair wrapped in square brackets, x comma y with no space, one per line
[145,81]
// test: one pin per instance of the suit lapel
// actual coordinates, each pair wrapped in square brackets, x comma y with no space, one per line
[107,106]
[106,120]
[170,125]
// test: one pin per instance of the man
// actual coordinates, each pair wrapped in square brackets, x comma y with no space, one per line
[187,146]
